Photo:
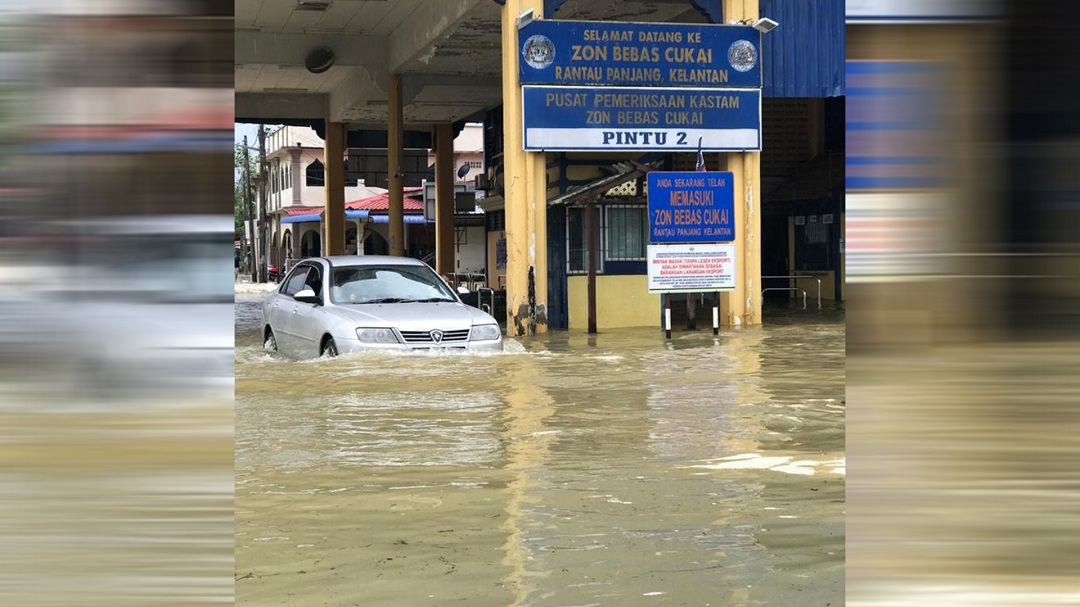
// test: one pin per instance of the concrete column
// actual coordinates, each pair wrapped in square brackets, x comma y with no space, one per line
[526,213]
[299,177]
[444,198]
[334,217]
[743,306]
[395,150]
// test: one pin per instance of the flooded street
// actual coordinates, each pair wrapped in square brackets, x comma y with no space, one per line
[566,471]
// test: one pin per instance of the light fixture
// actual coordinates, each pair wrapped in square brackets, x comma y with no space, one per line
[765,26]
[319,59]
[525,18]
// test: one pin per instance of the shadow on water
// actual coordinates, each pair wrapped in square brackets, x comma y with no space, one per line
[574,469]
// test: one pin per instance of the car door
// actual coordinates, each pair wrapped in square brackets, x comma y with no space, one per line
[283,307]
[307,322]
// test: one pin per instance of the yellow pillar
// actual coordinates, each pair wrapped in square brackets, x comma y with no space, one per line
[444,198]
[395,152]
[524,194]
[743,306]
[334,216]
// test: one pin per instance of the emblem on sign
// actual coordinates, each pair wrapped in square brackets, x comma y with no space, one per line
[742,55]
[538,52]
[436,336]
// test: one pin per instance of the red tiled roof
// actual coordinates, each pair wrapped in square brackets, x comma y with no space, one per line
[290,211]
[381,202]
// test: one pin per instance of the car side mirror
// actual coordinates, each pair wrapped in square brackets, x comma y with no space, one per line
[308,296]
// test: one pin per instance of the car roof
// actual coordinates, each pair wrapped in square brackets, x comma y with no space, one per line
[372,260]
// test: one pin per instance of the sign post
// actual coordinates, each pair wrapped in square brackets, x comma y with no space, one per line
[690,215]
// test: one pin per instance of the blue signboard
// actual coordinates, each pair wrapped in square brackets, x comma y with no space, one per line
[569,119]
[611,53]
[689,207]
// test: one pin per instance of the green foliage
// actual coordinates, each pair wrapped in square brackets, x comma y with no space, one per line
[238,186]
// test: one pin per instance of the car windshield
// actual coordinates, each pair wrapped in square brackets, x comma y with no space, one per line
[387,284]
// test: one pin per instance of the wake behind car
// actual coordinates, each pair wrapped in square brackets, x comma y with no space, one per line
[334,305]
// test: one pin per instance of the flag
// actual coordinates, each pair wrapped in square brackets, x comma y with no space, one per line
[700,157]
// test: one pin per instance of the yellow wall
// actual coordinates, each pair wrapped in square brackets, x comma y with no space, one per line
[621,301]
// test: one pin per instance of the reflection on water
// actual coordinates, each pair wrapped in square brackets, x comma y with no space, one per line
[571,470]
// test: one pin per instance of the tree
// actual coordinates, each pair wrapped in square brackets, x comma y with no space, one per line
[238,187]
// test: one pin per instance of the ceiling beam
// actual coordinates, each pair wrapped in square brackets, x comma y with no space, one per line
[268,48]
[417,37]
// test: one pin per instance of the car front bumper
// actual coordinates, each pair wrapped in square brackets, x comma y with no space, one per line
[353,345]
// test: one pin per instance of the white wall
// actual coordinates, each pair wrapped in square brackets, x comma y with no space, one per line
[470,256]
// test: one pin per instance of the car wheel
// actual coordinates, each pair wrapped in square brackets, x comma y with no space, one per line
[270,343]
[329,348]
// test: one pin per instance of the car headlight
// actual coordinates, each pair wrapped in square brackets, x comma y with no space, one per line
[486,332]
[376,336]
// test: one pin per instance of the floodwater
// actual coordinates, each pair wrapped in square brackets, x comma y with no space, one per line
[569,470]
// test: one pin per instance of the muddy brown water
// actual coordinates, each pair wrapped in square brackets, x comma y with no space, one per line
[569,470]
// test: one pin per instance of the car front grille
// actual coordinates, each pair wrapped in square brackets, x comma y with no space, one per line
[424,337]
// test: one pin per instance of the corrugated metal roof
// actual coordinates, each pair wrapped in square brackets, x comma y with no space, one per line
[804,57]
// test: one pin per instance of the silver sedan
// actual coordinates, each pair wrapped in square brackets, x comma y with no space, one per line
[333,305]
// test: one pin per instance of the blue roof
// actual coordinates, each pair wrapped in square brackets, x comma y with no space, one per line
[351,214]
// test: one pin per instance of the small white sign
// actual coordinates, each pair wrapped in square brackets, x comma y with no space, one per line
[827,218]
[800,220]
[691,268]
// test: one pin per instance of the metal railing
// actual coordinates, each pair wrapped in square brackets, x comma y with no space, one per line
[789,289]
[480,299]
[796,277]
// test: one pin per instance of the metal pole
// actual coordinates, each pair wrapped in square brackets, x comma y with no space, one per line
[590,230]
[264,230]
[716,316]
[667,315]
[254,253]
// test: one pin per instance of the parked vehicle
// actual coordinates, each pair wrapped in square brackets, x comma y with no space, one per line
[332,305]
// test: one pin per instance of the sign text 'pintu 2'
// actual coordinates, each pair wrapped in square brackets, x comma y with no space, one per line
[567,119]
[554,51]
[691,207]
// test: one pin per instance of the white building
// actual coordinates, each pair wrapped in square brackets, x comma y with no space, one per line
[296,195]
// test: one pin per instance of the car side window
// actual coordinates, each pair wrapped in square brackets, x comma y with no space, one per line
[295,282]
[314,280]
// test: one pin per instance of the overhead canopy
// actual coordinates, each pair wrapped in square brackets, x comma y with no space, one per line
[623,172]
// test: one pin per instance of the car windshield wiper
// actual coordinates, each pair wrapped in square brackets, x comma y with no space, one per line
[384,300]
[429,300]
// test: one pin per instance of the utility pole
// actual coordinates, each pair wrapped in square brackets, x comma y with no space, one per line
[247,213]
[264,231]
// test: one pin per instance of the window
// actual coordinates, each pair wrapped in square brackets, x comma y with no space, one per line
[316,174]
[813,245]
[295,282]
[621,235]
[314,280]
[577,245]
[476,164]
[627,232]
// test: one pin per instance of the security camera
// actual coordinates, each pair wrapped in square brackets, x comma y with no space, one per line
[765,26]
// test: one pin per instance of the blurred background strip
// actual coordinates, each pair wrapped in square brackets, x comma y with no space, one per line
[116,340]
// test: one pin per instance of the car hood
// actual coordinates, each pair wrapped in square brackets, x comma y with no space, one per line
[412,316]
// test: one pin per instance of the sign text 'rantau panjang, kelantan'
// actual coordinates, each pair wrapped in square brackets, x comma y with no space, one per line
[555,51]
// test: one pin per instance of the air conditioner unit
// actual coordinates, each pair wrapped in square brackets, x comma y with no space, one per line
[481,182]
